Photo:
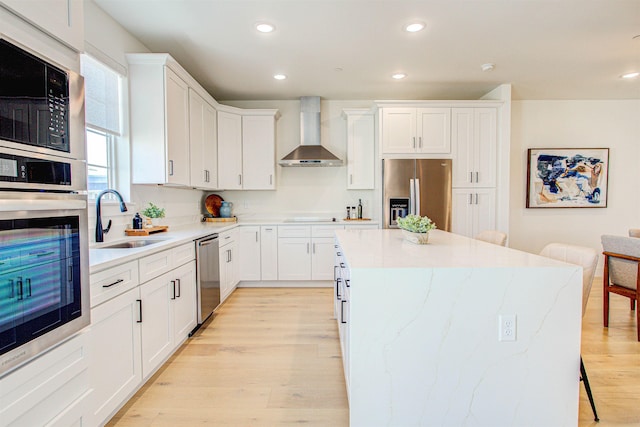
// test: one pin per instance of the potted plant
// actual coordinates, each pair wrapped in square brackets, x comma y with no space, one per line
[153,212]
[415,228]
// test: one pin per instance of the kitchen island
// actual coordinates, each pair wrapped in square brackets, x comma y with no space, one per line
[456,332]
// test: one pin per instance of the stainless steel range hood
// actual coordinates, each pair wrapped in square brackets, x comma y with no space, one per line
[310,152]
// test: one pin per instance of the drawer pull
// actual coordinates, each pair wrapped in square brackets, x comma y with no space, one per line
[113,284]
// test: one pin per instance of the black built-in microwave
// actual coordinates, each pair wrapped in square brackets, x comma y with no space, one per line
[34,100]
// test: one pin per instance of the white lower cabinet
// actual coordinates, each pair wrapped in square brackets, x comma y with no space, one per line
[474,210]
[269,252]
[342,298]
[229,264]
[294,260]
[249,252]
[134,332]
[322,255]
[116,365]
[53,389]
[157,325]
[306,252]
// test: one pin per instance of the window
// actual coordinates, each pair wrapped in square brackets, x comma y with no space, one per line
[103,110]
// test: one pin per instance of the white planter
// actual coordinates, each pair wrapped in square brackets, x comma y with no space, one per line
[417,238]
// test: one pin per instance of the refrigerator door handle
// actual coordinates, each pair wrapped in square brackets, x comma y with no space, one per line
[417,199]
[412,197]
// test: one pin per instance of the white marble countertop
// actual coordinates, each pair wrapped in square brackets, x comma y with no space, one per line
[101,259]
[387,249]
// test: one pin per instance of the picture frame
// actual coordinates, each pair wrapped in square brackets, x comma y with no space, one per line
[567,177]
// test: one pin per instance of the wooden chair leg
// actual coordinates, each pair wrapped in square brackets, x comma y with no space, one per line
[585,380]
[605,295]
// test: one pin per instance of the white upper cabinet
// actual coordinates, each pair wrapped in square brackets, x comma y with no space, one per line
[203,142]
[159,99]
[258,152]
[61,19]
[474,138]
[229,150]
[246,149]
[177,121]
[416,130]
[360,149]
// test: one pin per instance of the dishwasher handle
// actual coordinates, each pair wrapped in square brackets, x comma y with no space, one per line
[208,241]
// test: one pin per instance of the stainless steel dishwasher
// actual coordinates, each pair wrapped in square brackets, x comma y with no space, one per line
[208,276]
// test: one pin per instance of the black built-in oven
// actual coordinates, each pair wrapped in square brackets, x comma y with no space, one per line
[44,252]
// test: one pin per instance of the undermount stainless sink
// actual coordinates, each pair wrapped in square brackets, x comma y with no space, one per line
[131,244]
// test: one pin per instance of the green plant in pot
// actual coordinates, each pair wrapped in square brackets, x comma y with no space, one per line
[415,228]
[153,212]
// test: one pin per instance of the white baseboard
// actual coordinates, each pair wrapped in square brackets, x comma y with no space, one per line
[286,284]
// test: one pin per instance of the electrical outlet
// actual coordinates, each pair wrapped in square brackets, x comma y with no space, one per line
[507,327]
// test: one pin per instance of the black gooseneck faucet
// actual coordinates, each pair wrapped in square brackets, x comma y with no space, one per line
[99,231]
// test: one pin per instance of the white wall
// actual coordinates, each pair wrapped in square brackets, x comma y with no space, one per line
[304,191]
[613,124]
[108,41]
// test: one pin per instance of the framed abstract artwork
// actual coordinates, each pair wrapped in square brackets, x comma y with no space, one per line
[567,177]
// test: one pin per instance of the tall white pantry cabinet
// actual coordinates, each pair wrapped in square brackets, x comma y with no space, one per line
[464,131]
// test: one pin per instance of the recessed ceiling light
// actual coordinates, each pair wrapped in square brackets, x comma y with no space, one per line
[265,27]
[399,76]
[279,76]
[488,67]
[414,27]
[630,75]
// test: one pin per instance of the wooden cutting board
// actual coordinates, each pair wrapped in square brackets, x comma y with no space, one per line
[146,231]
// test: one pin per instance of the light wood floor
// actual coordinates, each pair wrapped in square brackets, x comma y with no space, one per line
[271,357]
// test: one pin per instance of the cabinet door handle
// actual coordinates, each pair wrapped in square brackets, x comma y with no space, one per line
[338,282]
[20,290]
[414,142]
[342,265]
[350,178]
[314,248]
[342,312]
[13,292]
[240,179]
[179,288]
[470,176]
[139,301]
[268,229]
[476,198]
[307,248]
[28,287]
[170,167]
[173,283]
[270,179]
[477,179]
[113,284]
[419,142]
[335,272]
[256,236]
[470,198]
[347,282]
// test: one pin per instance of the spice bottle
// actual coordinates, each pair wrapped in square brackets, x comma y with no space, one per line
[348,212]
[353,212]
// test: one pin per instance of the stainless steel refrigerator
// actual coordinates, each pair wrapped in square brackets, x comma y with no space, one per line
[417,186]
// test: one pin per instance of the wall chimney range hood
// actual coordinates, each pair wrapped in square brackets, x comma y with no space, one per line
[310,152]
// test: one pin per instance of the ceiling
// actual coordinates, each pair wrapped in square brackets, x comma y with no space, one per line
[348,49]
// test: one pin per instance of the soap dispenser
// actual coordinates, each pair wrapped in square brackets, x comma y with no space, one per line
[137,222]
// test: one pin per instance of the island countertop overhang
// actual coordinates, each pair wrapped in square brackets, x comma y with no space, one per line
[387,249]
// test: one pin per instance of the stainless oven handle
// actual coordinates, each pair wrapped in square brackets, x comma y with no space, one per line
[20,290]
[42,205]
